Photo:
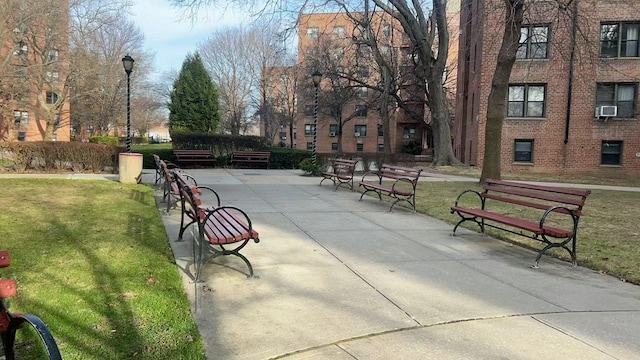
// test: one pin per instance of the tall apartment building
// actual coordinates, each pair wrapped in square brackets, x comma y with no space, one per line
[335,36]
[34,53]
[572,105]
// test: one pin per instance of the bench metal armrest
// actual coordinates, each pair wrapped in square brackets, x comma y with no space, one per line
[564,210]
[482,199]
[213,191]
[403,180]
[376,173]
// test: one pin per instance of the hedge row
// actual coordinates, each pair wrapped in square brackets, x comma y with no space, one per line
[59,156]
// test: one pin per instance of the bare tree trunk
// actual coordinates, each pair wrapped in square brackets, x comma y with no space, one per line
[497,102]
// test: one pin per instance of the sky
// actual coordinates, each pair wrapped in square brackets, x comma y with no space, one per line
[172,38]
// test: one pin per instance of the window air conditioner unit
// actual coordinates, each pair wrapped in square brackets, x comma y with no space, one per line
[606,111]
[332,134]
[357,134]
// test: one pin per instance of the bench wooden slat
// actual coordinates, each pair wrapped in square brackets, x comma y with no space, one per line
[533,227]
[535,195]
[553,189]
[5,260]
[530,204]
[225,228]
[7,288]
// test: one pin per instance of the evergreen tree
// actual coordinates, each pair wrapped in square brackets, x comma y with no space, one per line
[194,99]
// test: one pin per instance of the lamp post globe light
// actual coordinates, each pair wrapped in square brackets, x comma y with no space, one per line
[127,62]
[316,77]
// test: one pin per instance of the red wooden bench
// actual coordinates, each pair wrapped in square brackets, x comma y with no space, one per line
[243,158]
[184,157]
[170,190]
[222,230]
[188,214]
[403,186]
[341,173]
[11,323]
[548,200]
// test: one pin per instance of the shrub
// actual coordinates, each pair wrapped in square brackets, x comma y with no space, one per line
[104,140]
[307,166]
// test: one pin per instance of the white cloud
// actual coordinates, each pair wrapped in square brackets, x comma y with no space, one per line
[172,37]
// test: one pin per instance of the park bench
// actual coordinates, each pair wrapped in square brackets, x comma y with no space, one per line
[538,212]
[188,214]
[185,157]
[242,158]
[402,187]
[11,323]
[170,189]
[159,168]
[222,231]
[341,173]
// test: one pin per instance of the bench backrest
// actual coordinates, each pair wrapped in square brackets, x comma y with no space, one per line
[399,172]
[257,155]
[192,152]
[535,196]
[344,166]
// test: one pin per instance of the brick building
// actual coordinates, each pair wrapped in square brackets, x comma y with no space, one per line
[572,105]
[34,38]
[363,132]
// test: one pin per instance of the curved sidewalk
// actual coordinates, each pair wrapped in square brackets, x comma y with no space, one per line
[343,279]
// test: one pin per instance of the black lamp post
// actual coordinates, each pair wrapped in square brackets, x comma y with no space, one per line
[316,77]
[127,62]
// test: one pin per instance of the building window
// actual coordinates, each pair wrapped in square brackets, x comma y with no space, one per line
[309,129]
[283,135]
[533,42]
[363,92]
[380,131]
[310,146]
[621,95]
[52,55]
[53,77]
[308,110]
[386,30]
[21,118]
[523,151]
[526,101]
[380,147]
[359,147]
[338,32]
[409,134]
[312,33]
[611,153]
[360,131]
[21,49]
[334,146]
[363,71]
[333,129]
[52,98]
[619,40]
[361,110]
[22,136]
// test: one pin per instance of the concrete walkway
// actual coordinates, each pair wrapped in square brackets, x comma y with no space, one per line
[342,279]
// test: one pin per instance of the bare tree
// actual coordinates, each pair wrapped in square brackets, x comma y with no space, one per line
[428,34]
[99,39]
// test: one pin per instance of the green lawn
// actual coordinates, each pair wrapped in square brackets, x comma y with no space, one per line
[608,233]
[92,260]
